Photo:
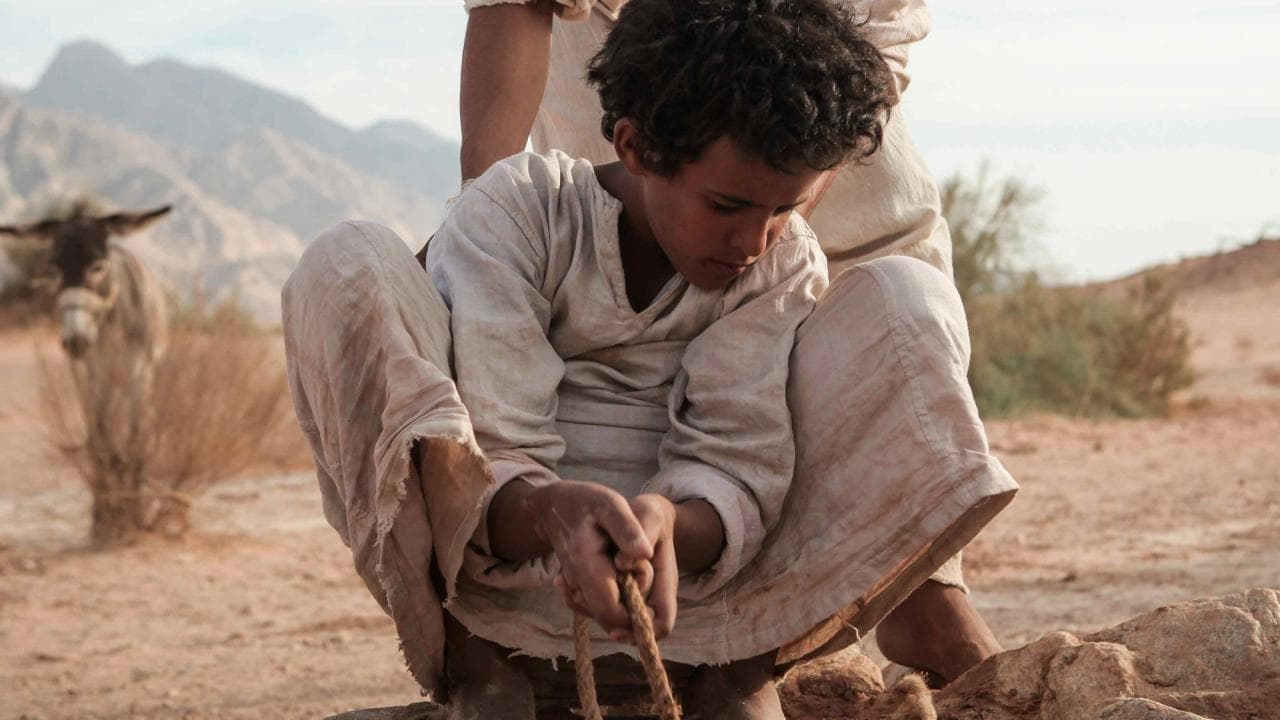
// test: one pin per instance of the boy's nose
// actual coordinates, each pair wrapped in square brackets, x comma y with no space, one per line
[752,240]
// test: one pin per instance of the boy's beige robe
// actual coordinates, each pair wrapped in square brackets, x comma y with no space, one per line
[891,470]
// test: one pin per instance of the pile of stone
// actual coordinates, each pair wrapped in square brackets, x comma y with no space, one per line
[1215,659]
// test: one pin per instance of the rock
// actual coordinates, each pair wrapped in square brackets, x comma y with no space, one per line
[849,689]
[1217,658]
[1086,677]
[1140,709]
[830,685]
[1023,674]
[909,700]
[846,674]
[1204,644]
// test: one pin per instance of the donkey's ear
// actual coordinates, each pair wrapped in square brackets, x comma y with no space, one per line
[123,223]
[43,230]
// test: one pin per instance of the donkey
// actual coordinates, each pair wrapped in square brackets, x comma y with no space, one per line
[103,290]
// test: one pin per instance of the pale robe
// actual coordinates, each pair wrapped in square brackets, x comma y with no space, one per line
[685,398]
[837,439]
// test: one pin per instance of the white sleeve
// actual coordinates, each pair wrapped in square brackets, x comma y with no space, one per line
[730,441]
[892,26]
[488,263]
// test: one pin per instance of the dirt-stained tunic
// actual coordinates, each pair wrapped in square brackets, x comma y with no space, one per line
[832,429]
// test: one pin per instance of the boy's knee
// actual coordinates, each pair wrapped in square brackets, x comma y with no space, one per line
[350,234]
[915,297]
[342,255]
[911,285]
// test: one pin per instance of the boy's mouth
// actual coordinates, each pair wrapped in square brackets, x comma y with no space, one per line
[731,269]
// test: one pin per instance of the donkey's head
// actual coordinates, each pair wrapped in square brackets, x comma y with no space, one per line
[80,244]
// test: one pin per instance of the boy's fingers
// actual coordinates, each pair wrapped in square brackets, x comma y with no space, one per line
[666,581]
[622,527]
[594,579]
[572,596]
[576,602]
[575,605]
[641,570]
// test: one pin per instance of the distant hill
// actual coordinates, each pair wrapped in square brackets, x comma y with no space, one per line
[207,109]
[1247,267]
[254,174]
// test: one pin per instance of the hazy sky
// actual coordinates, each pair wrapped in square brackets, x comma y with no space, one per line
[1153,127]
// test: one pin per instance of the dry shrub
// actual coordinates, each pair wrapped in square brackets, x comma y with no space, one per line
[992,224]
[1041,349]
[24,273]
[1037,348]
[217,406]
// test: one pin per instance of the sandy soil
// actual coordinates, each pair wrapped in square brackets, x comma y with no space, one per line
[258,613]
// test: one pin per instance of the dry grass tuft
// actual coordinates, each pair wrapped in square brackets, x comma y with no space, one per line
[24,273]
[217,407]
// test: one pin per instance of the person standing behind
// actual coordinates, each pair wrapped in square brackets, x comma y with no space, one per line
[514,50]
[524,78]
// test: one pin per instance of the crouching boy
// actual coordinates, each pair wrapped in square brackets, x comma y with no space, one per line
[640,367]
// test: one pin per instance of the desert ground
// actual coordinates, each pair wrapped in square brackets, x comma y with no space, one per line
[257,612]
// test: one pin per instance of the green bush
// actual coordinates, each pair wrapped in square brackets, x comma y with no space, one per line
[1063,350]
[1044,349]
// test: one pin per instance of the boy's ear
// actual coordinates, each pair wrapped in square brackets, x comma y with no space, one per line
[626,144]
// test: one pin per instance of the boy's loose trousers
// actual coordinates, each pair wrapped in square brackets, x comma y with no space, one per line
[893,472]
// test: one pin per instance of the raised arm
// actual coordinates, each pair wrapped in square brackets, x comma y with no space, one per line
[893,26]
[504,72]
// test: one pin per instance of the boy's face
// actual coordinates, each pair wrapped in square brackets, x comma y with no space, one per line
[717,215]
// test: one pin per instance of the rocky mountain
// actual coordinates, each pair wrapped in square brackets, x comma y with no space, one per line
[253,174]
[207,109]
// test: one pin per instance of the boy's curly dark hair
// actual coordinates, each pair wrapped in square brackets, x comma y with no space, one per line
[790,81]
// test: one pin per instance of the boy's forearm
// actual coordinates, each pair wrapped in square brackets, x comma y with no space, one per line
[504,73]
[511,534]
[699,536]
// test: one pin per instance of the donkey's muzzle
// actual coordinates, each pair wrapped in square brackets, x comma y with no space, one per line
[76,345]
[80,310]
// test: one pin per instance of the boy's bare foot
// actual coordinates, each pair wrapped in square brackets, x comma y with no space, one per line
[936,629]
[483,685]
[741,690]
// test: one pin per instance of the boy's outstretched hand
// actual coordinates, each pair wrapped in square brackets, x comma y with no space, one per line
[596,533]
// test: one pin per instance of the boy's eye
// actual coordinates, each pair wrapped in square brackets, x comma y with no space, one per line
[723,208]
